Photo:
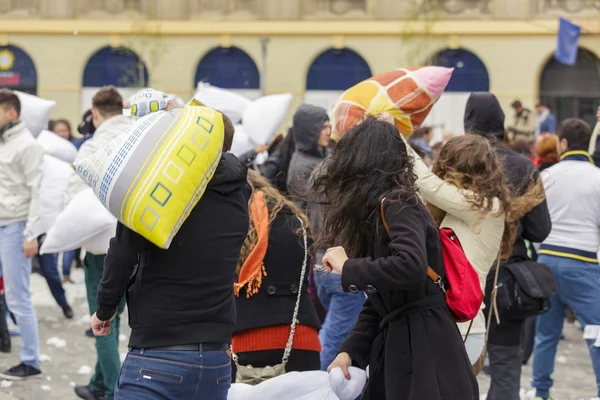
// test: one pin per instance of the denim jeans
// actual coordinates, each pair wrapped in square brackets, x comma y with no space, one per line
[174,375]
[16,271]
[342,312]
[67,261]
[577,284]
[49,270]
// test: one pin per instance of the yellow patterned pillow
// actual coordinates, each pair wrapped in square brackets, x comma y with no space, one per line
[151,176]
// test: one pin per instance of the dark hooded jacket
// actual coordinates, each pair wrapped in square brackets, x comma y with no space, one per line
[184,294]
[308,123]
[484,116]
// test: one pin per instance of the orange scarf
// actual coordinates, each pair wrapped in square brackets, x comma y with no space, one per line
[253,269]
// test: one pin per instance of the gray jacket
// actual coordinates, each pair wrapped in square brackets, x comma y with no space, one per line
[308,122]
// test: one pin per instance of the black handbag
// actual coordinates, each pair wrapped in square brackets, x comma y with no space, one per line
[524,290]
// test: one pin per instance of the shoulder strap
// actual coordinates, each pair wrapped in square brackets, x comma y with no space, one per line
[430,272]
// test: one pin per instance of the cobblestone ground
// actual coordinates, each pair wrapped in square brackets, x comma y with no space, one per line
[69,356]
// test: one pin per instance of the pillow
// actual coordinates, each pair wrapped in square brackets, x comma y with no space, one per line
[35,111]
[406,95]
[263,117]
[56,146]
[147,101]
[308,385]
[241,142]
[81,221]
[229,103]
[151,176]
[55,180]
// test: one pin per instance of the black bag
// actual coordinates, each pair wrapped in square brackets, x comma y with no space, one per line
[524,290]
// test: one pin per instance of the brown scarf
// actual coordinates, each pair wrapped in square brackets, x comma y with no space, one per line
[253,270]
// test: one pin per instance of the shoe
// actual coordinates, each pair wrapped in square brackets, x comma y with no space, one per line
[89,333]
[67,279]
[20,372]
[84,392]
[68,311]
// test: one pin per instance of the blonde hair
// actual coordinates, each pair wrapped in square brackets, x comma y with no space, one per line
[275,201]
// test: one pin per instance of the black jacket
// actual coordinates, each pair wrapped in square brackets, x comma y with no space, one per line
[484,116]
[182,295]
[419,353]
[274,302]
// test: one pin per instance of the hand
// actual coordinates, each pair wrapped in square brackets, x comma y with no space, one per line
[342,361]
[334,259]
[30,247]
[100,328]
[261,148]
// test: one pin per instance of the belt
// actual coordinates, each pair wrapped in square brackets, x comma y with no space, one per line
[193,347]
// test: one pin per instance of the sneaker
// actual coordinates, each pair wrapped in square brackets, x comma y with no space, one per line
[68,311]
[84,392]
[20,372]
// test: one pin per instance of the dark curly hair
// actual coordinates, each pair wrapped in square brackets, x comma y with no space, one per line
[370,162]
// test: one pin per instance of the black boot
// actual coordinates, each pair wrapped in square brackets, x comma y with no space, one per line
[4,335]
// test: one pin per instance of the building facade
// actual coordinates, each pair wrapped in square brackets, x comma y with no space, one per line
[65,49]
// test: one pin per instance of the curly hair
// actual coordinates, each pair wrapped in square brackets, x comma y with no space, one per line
[275,202]
[370,162]
[470,162]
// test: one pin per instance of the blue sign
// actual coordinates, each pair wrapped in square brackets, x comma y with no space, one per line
[567,42]
[17,70]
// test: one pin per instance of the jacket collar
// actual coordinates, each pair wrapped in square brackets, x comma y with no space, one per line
[577,155]
[11,130]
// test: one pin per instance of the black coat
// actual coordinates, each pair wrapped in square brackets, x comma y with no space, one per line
[419,354]
[274,302]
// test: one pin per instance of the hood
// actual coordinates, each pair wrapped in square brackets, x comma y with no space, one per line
[484,116]
[231,173]
[308,122]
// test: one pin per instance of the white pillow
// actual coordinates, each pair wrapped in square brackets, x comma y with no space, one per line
[77,226]
[56,146]
[241,142]
[264,116]
[35,111]
[99,244]
[308,385]
[55,180]
[227,102]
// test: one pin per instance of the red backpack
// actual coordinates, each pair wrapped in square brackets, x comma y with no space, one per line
[463,295]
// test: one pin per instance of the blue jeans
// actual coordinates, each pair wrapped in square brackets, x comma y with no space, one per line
[160,374]
[16,271]
[342,312]
[577,284]
[67,262]
[49,270]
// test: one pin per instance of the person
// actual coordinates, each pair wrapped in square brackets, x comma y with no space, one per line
[86,128]
[545,120]
[421,138]
[49,270]
[312,131]
[405,332]
[181,301]
[484,117]
[276,167]
[268,274]
[20,225]
[109,122]
[570,251]
[62,128]
[249,157]
[5,342]
[546,151]
[523,126]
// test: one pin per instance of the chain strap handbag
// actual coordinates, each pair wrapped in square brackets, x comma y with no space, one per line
[253,376]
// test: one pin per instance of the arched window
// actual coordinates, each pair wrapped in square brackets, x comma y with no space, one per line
[331,73]
[572,91]
[470,74]
[116,66]
[337,69]
[228,68]
[17,70]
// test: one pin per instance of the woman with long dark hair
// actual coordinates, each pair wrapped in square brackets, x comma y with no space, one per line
[405,332]
[272,288]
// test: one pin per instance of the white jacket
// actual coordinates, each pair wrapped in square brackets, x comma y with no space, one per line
[20,177]
[110,129]
[480,235]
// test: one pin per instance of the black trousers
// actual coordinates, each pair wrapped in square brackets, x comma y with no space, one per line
[299,361]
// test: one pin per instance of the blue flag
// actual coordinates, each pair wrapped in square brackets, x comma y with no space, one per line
[567,42]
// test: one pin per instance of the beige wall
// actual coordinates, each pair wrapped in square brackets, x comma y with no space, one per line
[514,62]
